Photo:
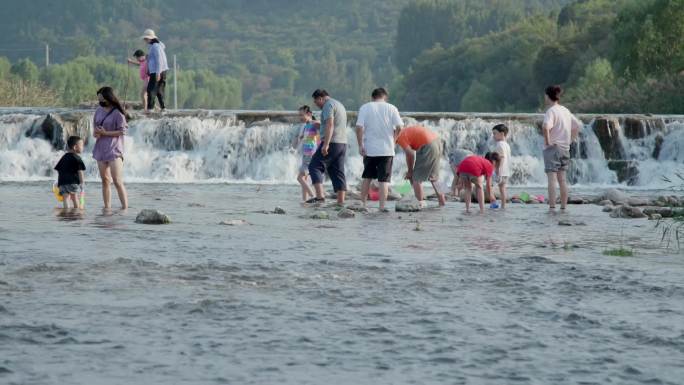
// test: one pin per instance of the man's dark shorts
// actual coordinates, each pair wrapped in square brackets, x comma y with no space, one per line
[333,164]
[378,167]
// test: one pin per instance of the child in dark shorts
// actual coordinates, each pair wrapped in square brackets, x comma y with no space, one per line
[71,172]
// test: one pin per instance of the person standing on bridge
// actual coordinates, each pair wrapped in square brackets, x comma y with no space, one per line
[560,129]
[157,66]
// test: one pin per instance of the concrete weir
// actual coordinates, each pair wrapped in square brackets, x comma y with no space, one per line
[613,149]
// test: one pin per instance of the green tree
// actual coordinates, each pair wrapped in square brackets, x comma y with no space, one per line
[5,67]
[72,81]
[26,70]
[595,90]
[650,38]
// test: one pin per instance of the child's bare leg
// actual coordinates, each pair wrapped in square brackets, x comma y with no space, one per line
[144,97]
[75,200]
[306,189]
[468,187]
[504,193]
[480,197]
[455,190]
[65,201]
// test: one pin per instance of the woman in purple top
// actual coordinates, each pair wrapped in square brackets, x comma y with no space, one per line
[109,130]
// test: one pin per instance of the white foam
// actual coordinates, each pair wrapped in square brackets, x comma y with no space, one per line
[216,149]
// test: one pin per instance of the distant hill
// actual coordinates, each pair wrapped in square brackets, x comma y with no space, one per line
[280,50]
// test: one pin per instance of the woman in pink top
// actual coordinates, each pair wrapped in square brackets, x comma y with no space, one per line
[560,129]
[140,59]
[109,124]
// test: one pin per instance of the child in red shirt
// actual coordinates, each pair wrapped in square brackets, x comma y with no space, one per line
[475,170]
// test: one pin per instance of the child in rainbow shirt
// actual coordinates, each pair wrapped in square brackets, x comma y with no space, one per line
[308,139]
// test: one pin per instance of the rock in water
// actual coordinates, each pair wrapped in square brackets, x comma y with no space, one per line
[234,222]
[627,171]
[606,202]
[616,196]
[152,217]
[358,208]
[393,196]
[663,212]
[346,214]
[571,223]
[576,200]
[279,211]
[627,212]
[655,217]
[320,215]
[608,208]
[407,207]
[607,131]
[638,202]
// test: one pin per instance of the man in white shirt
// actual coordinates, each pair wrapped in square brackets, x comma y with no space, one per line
[560,129]
[377,126]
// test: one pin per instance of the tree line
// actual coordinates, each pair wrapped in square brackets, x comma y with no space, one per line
[612,56]
[433,55]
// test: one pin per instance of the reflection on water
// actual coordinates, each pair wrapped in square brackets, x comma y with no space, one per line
[508,296]
[68,215]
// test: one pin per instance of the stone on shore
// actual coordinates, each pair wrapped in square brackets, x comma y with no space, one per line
[152,217]
[394,196]
[605,202]
[663,212]
[616,196]
[408,206]
[655,217]
[279,211]
[354,195]
[346,213]
[627,212]
[357,207]
[638,202]
[576,200]
[608,208]
[321,215]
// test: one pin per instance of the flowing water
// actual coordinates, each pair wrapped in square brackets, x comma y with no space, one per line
[427,298]
[191,148]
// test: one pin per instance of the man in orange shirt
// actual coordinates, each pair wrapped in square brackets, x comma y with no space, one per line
[423,151]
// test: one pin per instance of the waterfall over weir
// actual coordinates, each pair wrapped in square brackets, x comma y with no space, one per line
[245,147]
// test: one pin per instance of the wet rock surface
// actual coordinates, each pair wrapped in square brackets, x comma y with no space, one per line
[152,217]
[408,206]
[627,212]
[346,213]
[607,131]
[320,215]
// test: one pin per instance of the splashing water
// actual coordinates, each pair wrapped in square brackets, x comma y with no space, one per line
[219,148]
